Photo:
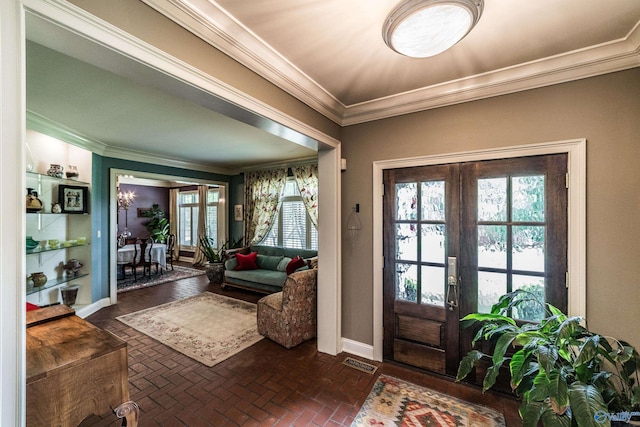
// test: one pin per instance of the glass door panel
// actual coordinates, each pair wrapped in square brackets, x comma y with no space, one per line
[407,282]
[433,243]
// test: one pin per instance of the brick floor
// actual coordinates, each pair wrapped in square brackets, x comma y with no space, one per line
[264,385]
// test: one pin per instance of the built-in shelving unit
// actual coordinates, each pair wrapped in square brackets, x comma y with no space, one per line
[66,228]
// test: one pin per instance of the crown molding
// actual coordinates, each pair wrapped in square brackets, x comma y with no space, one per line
[207,20]
[210,22]
[54,129]
[592,61]
[59,131]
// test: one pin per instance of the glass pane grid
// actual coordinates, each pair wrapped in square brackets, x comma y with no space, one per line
[511,242]
[420,242]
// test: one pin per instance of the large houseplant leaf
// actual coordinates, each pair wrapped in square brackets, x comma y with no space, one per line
[558,392]
[586,402]
[530,412]
[467,363]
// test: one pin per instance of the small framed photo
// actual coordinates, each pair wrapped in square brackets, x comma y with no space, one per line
[143,212]
[237,213]
[73,199]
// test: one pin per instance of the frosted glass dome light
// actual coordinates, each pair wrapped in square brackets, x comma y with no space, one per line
[424,28]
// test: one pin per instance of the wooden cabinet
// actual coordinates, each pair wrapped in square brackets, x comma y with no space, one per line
[71,228]
[74,369]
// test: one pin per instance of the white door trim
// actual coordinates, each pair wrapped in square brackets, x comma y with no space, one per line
[577,205]
[12,217]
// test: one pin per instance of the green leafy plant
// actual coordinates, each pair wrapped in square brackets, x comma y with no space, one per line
[213,254]
[158,225]
[565,374]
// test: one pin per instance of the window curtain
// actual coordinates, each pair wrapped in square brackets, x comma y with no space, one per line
[262,193]
[307,180]
[174,220]
[203,191]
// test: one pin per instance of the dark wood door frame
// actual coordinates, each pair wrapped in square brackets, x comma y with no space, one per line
[554,168]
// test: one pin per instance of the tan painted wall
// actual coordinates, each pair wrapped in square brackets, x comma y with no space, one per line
[605,110]
[143,22]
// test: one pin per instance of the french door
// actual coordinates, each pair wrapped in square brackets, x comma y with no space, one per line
[456,238]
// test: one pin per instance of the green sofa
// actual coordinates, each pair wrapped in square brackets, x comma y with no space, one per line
[271,273]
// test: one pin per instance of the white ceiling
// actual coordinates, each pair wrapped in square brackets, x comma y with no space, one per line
[329,54]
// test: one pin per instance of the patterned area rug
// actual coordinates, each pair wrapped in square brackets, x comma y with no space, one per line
[394,402]
[128,284]
[207,327]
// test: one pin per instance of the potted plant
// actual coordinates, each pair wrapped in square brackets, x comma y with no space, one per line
[565,374]
[158,226]
[215,267]
[215,257]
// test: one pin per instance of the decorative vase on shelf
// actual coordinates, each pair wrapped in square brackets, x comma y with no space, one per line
[39,279]
[31,244]
[72,267]
[55,171]
[69,295]
[72,172]
[33,203]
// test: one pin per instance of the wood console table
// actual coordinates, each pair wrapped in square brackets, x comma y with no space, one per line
[74,369]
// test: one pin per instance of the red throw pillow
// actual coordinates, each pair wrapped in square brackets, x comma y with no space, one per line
[247,262]
[31,307]
[295,264]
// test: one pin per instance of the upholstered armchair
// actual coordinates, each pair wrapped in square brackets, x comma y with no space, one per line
[289,317]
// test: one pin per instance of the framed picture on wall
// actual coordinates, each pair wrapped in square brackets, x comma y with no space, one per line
[237,213]
[73,199]
[143,212]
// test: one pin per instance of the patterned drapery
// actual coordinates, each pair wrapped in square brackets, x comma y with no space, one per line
[203,191]
[307,180]
[262,193]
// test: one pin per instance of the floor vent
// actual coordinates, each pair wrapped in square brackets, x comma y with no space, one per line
[359,365]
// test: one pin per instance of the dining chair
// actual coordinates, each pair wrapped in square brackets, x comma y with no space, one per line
[171,242]
[146,246]
[133,264]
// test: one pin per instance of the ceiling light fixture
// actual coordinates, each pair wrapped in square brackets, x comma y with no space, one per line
[424,28]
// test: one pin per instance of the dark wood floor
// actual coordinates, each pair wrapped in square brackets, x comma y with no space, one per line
[264,385]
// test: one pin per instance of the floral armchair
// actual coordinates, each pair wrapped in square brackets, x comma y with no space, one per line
[289,317]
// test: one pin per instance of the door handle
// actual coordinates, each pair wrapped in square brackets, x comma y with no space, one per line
[452,283]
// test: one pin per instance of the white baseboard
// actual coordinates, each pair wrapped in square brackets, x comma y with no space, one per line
[357,348]
[88,310]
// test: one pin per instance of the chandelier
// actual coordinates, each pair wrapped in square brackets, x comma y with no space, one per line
[125,200]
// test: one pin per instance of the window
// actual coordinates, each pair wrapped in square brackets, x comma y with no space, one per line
[292,227]
[188,207]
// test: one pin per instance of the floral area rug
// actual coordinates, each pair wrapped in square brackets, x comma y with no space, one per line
[128,283]
[208,327]
[394,402]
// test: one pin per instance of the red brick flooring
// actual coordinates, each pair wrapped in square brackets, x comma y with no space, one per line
[264,385]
